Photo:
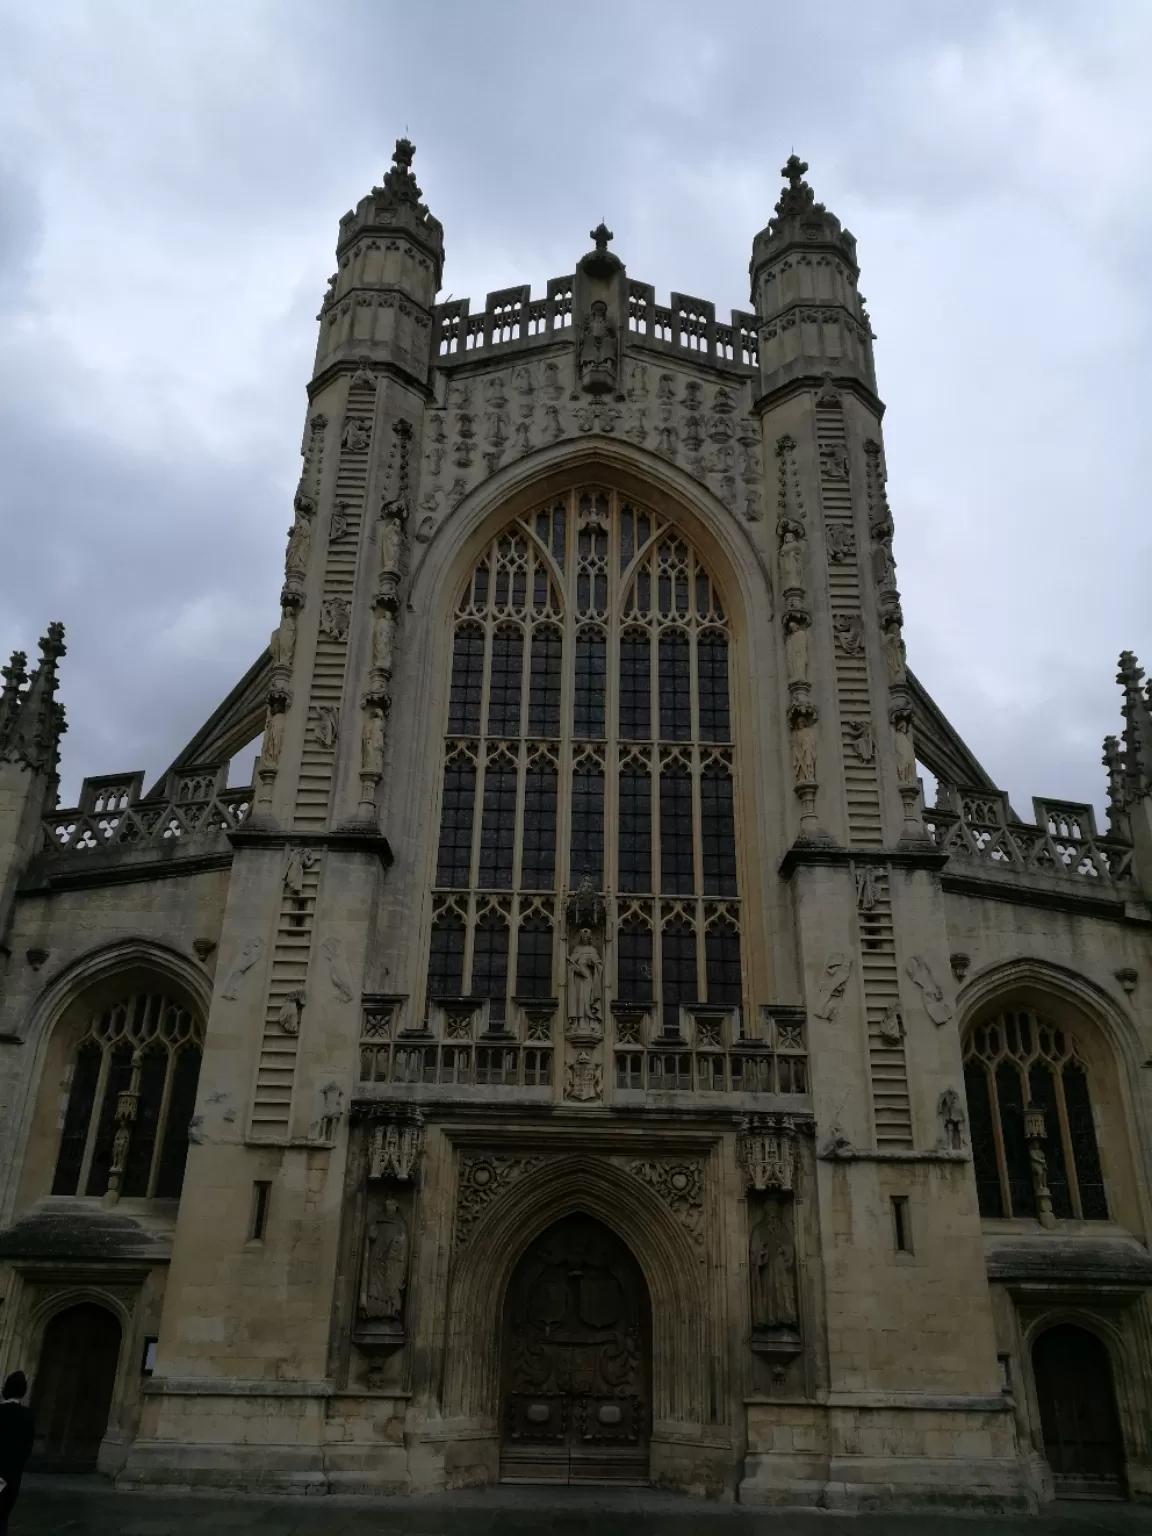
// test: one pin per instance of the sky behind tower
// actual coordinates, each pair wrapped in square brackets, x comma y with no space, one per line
[172,177]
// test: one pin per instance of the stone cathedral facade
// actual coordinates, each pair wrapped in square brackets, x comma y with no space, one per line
[580,1054]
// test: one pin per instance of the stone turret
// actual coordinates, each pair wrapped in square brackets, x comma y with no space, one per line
[1129,764]
[804,289]
[390,258]
[31,725]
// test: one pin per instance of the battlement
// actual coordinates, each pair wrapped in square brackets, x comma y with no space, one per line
[512,320]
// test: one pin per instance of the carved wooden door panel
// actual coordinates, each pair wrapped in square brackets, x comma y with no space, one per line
[73,1388]
[1082,1439]
[575,1398]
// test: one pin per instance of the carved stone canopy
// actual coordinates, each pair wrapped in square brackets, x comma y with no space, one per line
[767,1152]
[586,908]
[395,1146]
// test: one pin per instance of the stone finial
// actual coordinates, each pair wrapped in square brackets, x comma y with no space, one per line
[797,197]
[1135,758]
[399,182]
[600,237]
[33,722]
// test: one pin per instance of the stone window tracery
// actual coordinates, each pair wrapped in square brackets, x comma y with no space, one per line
[1033,1133]
[588,740]
[130,1100]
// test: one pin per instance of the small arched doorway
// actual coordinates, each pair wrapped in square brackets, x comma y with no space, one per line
[575,1395]
[73,1389]
[1078,1418]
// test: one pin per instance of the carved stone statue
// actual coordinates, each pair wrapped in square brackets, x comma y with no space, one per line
[951,1113]
[384,1272]
[772,1268]
[283,641]
[597,358]
[796,622]
[372,742]
[803,737]
[905,746]
[249,955]
[585,991]
[792,539]
[273,743]
[357,435]
[832,984]
[292,1011]
[863,739]
[394,516]
[894,650]
[297,861]
[299,543]
[935,1006]
[383,634]
[335,617]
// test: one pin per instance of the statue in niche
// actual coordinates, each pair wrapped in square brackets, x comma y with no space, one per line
[394,515]
[951,1113]
[803,742]
[383,633]
[585,977]
[597,355]
[895,652]
[883,564]
[283,641]
[384,1272]
[372,742]
[796,622]
[792,539]
[273,743]
[905,746]
[363,378]
[299,542]
[772,1267]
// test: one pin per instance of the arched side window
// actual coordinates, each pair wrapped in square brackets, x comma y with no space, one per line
[130,1100]
[1031,1119]
[588,739]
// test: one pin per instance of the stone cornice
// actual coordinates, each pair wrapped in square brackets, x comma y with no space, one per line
[803,383]
[1089,902]
[801,855]
[346,842]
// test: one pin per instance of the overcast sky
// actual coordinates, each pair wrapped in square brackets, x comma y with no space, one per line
[171,180]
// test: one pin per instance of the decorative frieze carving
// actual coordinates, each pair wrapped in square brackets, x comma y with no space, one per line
[483,1179]
[766,1147]
[680,1185]
[584,1078]
[395,1146]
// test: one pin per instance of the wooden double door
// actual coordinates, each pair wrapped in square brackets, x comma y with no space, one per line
[73,1389]
[1082,1439]
[576,1362]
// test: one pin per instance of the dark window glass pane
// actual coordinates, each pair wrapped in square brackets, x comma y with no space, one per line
[498,827]
[1085,1153]
[544,682]
[678,968]
[988,1191]
[534,959]
[635,830]
[181,1105]
[722,954]
[119,1077]
[634,963]
[467,681]
[587,850]
[1042,1086]
[1011,1096]
[490,966]
[538,855]
[591,669]
[480,585]
[153,1070]
[676,874]
[635,687]
[712,664]
[558,534]
[77,1119]
[717,833]
[446,959]
[675,686]
[627,537]
[505,683]
[454,858]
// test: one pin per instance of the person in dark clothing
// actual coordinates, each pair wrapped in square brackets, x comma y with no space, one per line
[15,1442]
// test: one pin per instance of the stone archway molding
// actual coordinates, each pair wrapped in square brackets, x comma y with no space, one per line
[669,1257]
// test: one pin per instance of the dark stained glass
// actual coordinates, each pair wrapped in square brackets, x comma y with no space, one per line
[77,1118]
[544,681]
[1010,1093]
[988,1191]
[587,847]
[722,957]
[498,826]
[505,681]
[1085,1153]
[712,669]
[534,958]
[678,971]
[635,686]
[467,681]
[635,791]
[675,686]
[676,862]
[138,1166]
[717,831]
[181,1105]
[634,961]
[490,964]
[446,958]
[591,677]
[454,858]
[538,853]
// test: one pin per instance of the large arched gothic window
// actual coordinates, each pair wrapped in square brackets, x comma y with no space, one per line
[588,742]
[130,1100]
[1031,1118]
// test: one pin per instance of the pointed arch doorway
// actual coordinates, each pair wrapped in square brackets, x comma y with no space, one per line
[576,1362]
[1078,1418]
[72,1393]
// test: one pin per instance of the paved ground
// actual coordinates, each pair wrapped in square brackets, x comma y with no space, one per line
[57,1506]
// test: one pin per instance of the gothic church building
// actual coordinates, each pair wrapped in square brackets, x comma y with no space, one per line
[580,1054]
